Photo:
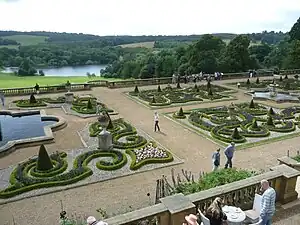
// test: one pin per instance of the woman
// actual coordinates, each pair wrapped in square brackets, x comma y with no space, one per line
[215,214]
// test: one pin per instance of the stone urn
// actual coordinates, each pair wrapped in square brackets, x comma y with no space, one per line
[104,137]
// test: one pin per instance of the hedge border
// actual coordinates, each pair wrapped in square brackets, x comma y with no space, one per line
[26,104]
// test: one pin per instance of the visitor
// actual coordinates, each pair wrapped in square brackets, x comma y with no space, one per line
[174,79]
[215,214]
[229,151]
[2,97]
[216,159]
[92,221]
[268,199]
[156,121]
[238,85]
[191,220]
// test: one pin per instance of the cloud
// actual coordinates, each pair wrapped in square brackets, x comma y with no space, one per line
[138,17]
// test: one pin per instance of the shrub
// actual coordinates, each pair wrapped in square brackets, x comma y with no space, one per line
[297,158]
[136,90]
[195,87]
[208,85]
[280,79]
[287,86]
[89,104]
[254,125]
[251,105]
[271,111]
[236,134]
[178,85]
[44,162]
[32,99]
[210,93]
[248,82]
[296,76]
[257,81]
[180,112]
[158,88]
[153,100]
[286,77]
[270,121]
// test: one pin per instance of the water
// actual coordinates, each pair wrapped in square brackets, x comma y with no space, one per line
[22,127]
[278,97]
[66,70]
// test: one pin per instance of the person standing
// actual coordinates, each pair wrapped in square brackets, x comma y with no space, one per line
[156,121]
[267,208]
[229,151]
[216,159]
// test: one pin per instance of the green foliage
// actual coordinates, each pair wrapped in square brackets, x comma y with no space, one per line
[257,81]
[180,112]
[297,158]
[270,121]
[248,82]
[280,79]
[178,85]
[158,88]
[153,100]
[254,125]
[32,99]
[208,85]
[236,134]
[44,162]
[210,93]
[286,77]
[252,105]
[271,111]
[89,104]
[136,90]
[295,31]
[213,179]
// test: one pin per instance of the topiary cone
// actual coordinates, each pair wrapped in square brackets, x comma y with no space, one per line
[210,93]
[196,86]
[32,99]
[178,85]
[236,134]
[158,88]
[280,79]
[286,77]
[89,104]
[254,124]
[136,89]
[270,121]
[251,105]
[257,81]
[153,100]
[271,111]
[208,85]
[44,162]
[180,112]
[248,82]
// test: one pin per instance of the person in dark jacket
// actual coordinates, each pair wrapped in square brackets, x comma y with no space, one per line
[215,214]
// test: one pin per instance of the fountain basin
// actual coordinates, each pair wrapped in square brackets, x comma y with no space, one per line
[280,97]
[27,128]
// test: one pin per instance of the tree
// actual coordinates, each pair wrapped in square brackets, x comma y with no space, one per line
[153,100]
[293,59]
[178,85]
[208,85]
[260,52]
[252,105]
[257,81]
[180,112]
[89,104]
[271,111]
[248,82]
[43,162]
[210,93]
[280,79]
[136,89]
[295,31]
[32,99]
[254,125]
[26,68]
[41,73]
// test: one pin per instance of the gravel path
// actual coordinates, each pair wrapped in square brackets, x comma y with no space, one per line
[129,193]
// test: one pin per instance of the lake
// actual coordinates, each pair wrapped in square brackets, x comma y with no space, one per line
[66,70]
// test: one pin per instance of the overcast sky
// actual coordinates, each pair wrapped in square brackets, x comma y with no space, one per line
[145,17]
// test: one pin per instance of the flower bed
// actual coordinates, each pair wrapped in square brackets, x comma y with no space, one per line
[88,105]
[172,95]
[242,123]
[38,102]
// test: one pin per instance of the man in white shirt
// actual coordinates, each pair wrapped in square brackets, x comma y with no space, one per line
[267,203]
[156,120]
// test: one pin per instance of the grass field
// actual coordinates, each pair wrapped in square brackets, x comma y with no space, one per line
[149,44]
[25,40]
[12,81]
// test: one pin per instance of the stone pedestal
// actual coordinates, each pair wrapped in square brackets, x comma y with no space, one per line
[105,140]
[69,97]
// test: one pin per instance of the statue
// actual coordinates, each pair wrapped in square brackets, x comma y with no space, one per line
[104,137]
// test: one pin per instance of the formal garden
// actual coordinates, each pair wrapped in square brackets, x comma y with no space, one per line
[132,152]
[176,95]
[246,124]
[285,83]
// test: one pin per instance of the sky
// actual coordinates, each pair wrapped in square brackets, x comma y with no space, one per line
[148,17]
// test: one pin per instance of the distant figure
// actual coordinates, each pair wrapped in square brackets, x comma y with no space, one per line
[2,97]
[174,79]
[215,214]
[98,109]
[156,121]
[238,85]
[229,152]
[267,209]
[92,221]
[216,159]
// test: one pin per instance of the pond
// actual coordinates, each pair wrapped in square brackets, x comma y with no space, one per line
[21,127]
[66,70]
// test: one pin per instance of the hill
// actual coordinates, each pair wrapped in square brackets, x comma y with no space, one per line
[149,44]
[25,40]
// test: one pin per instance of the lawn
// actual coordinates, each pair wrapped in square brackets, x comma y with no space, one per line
[25,40]
[12,81]
[149,44]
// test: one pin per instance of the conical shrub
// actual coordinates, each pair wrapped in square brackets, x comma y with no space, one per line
[208,85]
[178,85]
[180,112]
[254,125]
[44,162]
[280,79]
[153,100]
[236,134]
[286,77]
[89,104]
[271,111]
[251,105]
[257,81]
[210,93]
[248,82]
[158,88]
[32,99]
[136,89]
[270,121]
[195,87]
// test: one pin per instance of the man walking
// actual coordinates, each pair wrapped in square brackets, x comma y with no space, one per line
[216,159]
[229,151]
[268,199]
[156,120]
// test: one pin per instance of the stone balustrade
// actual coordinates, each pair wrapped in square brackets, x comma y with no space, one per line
[286,160]
[172,209]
